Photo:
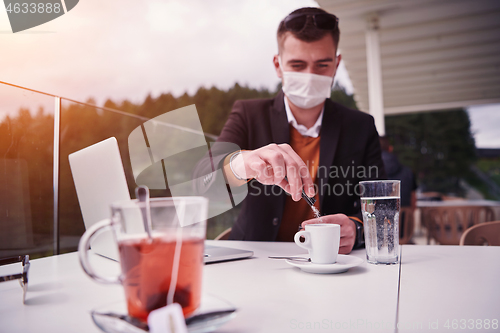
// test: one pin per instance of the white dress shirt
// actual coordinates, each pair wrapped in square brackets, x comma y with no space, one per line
[304,131]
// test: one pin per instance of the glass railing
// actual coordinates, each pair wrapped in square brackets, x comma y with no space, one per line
[26,172]
[82,125]
[39,210]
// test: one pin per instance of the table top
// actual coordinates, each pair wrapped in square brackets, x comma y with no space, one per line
[60,296]
[442,283]
[272,296]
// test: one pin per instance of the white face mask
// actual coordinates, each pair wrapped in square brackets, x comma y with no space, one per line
[306,90]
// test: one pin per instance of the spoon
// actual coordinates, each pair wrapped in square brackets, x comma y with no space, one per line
[310,201]
[291,258]
[142,194]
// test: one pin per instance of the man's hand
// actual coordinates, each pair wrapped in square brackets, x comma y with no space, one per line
[270,164]
[347,230]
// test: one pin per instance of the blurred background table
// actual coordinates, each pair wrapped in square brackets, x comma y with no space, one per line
[444,222]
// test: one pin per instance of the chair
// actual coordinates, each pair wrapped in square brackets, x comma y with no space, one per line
[406,224]
[224,235]
[447,224]
[487,233]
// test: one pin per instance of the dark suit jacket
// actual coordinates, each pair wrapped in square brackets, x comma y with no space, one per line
[349,153]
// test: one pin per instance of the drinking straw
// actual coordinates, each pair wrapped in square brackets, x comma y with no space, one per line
[181,210]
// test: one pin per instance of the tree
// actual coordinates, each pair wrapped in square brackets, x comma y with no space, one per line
[437,146]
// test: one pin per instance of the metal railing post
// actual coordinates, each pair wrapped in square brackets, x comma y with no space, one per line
[57,123]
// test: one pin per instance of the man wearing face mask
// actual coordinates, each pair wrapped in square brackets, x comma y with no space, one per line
[320,146]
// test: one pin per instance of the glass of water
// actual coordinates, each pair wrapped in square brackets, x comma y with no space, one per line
[380,203]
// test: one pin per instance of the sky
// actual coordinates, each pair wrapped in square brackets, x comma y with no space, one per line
[485,120]
[127,49]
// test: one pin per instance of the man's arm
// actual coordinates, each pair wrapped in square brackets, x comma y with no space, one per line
[269,164]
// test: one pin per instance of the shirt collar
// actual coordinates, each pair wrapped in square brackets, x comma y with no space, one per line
[304,131]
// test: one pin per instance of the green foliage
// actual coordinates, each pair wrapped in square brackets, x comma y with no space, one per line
[340,96]
[26,146]
[490,166]
[438,146]
[213,105]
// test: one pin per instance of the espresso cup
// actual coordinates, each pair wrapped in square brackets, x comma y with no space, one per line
[160,264]
[322,241]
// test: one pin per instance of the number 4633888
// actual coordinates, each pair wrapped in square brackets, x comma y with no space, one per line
[462,324]
[33,8]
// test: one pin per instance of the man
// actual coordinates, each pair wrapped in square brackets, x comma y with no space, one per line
[303,135]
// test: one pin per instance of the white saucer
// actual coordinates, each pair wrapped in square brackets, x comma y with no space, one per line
[113,318]
[344,262]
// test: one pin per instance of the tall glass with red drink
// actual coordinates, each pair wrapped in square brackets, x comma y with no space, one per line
[161,263]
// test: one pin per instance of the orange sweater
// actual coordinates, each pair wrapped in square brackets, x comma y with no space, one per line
[297,212]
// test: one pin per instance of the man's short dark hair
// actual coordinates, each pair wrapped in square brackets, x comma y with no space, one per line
[310,33]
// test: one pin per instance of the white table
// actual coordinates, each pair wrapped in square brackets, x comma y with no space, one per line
[270,295]
[60,296]
[440,284]
[274,297]
[436,283]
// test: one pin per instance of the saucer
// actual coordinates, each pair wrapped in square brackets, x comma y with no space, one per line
[212,313]
[344,262]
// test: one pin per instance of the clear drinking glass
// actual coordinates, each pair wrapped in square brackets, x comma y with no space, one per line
[380,206]
[161,263]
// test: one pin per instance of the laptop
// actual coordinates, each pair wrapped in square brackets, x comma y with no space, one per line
[100,180]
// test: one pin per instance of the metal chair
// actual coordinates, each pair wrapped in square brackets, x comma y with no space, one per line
[447,224]
[487,233]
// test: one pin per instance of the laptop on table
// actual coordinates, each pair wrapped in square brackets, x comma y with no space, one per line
[100,180]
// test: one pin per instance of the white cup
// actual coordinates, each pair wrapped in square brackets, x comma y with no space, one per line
[322,241]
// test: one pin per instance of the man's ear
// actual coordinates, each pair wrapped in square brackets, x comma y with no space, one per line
[277,66]
[339,58]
